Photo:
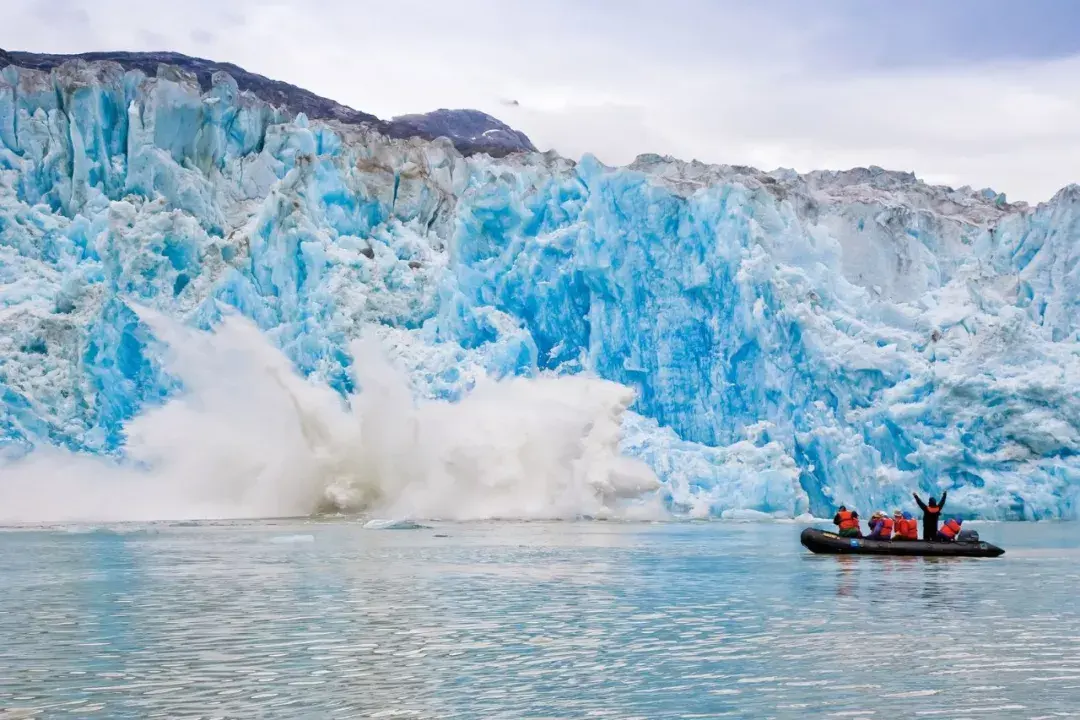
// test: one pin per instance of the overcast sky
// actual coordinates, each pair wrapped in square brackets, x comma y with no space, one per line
[978,92]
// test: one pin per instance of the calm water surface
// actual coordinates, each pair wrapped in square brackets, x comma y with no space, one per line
[289,619]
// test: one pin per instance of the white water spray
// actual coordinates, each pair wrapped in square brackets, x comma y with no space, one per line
[249,437]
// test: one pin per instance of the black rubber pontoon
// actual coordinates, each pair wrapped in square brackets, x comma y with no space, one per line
[828,543]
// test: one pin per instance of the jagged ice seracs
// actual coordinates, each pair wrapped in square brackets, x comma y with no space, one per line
[693,340]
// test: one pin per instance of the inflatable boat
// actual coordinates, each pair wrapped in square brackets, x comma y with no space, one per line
[829,543]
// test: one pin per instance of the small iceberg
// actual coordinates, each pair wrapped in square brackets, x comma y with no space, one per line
[381,524]
[291,539]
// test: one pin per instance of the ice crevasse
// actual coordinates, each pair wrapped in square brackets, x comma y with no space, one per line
[794,341]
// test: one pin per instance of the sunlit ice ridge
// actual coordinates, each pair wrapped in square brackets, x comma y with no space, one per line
[186,272]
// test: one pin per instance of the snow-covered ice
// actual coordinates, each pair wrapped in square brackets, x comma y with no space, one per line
[794,341]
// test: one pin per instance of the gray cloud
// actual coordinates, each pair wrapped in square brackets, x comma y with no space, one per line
[203,37]
[763,84]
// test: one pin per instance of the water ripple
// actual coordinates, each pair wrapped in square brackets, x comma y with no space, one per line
[281,620]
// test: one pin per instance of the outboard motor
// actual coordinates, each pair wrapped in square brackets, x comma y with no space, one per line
[968,536]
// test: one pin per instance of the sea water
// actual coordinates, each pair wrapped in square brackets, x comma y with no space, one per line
[296,619]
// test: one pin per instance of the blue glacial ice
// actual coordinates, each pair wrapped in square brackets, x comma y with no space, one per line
[795,341]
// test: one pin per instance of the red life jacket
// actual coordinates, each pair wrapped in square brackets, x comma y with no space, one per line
[847,521]
[907,529]
[950,529]
[933,509]
[886,527]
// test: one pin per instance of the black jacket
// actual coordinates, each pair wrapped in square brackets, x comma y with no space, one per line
[930,518]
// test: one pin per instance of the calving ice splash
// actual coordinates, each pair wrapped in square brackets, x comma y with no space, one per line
[764,342]
[246,436]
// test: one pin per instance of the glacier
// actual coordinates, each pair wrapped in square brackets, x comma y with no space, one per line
[793,341]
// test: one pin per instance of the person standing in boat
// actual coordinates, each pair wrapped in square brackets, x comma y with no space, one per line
[930,515]
[848,522]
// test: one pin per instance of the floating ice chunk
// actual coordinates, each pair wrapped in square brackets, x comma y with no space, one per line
[388,524]
[292,539]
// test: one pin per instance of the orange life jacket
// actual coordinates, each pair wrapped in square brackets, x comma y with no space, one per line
[950,529]
[886,527]
[933,509]
[847,521]
[907,529]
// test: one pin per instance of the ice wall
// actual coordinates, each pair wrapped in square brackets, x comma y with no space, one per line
[796,341]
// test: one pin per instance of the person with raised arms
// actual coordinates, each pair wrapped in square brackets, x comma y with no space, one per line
[931,515]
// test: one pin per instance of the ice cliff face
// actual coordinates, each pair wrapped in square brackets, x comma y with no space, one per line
[469,130]
[796,341]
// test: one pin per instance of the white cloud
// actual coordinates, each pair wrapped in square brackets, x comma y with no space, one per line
[743,86]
